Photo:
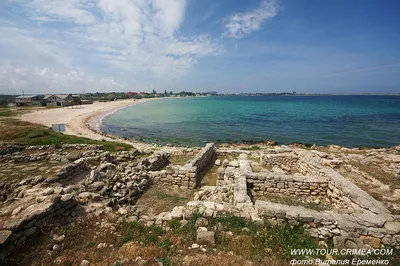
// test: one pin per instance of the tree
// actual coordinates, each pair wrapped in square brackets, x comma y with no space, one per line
[3,103]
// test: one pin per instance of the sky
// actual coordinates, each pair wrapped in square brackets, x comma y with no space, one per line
[308,46]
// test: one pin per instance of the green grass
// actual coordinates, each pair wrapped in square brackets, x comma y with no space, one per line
[134,231]
[32,134]
[255,241]
[281,239]
[4,112]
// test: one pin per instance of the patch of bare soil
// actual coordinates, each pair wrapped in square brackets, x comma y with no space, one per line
[159,199]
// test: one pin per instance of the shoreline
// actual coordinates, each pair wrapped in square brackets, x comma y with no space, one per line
[82,121]
[93,122]
[85,121]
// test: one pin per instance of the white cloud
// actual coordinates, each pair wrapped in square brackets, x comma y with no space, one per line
[45,80]
[133,37]
[241,24]
[200,46]
[60,10]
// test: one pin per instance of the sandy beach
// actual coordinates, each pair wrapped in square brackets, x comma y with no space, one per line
[79,121]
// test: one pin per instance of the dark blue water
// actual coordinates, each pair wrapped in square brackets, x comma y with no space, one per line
[352,121]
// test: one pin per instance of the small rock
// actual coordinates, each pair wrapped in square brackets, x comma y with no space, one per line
[371,241]
[101,245]
[48,191]
[98,185]
[194,245]
[57,247]
[58,238]
[206,237]
[322,244]
[58,260]
[218,162]
[177,212]
[85,263]
[234,164]
[122,211]
[203,249]
[201,222]
[218,227]
[183,222]
[202,229]
[16,211]
[4,236]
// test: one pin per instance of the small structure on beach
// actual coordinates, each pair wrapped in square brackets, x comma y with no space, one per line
[27,100]
[57,100]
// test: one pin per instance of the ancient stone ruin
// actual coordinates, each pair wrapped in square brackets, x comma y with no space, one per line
[246,182]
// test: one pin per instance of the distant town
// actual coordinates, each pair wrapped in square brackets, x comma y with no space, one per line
[88,98]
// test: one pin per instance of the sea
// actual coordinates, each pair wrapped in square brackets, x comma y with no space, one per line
[350,121]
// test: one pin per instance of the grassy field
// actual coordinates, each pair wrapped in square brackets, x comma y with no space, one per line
[19,132]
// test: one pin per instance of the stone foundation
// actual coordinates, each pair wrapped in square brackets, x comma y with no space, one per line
[186,176]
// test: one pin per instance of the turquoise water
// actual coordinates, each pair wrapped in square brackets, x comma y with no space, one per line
[371,121]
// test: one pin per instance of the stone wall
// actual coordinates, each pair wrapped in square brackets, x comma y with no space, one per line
[362,228]
[178,176]
[282,160]
[10,149]
[341,191]
[24,223]
[318,179]
[203,158]
[186,176]
[154,162]
[288,185]
[69,171]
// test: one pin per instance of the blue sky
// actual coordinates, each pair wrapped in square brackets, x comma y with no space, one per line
[308,46]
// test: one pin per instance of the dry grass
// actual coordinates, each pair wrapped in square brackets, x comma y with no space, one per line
[366,178]
[377,173]
[161,199]
[293,201]
[132,250]
[180,159]
[208,176]
[19,171]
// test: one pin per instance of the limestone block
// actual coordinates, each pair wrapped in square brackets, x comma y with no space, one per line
[206,237]
[373,242]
